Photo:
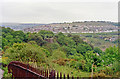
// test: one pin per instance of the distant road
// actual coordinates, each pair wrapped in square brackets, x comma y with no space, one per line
[1,72]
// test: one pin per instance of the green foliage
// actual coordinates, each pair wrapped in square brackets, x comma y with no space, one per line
[116,66]
[97,50]
[77,39]
[67,51]
[6,74]
[4,42]
[83,48]
[92,58]
[111,55]
[77,56]
[46,34]
[64,40]
[51,46]
[37,38]
[7,30]
[57,54]
[26,52]
[32,42]
[9,37]
[69,35]
[69,42]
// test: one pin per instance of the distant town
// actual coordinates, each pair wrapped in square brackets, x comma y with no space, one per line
[74,27]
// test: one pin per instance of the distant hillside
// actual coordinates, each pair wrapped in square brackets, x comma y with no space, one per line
[89,23]
[77,27]
[19,26]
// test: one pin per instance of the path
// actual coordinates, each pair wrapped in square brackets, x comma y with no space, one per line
[1,72]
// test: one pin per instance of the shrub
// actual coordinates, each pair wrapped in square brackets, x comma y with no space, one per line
[6,74]
[26,53]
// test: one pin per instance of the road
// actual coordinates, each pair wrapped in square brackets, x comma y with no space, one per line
[1,73]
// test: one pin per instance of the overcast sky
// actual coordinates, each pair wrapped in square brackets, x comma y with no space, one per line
[44,11]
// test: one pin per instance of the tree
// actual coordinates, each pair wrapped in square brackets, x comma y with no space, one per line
[97,50]
[37,38]
[111,55]
[11,36]
[69,35]
[69,51]
[91,58]
[64,40]
[26,53]
[83,48]
[46,34]
[51,46]
[77,39]
[58,54]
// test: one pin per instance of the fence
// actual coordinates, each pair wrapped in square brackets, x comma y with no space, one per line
[21,70]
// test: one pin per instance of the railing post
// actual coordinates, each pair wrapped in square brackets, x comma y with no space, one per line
[47,73]
[57,75]
[54,74]
[72,77]
[68,76]
[60,75]
[64,76]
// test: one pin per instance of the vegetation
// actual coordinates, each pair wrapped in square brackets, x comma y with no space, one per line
[101,40]
[67,53]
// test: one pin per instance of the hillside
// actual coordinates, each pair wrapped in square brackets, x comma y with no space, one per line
[64,53]
[77,27]
[19,26]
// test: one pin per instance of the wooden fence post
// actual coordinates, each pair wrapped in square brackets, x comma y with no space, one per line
[64,76]
[68,76]
[47,73]
[54,74]
[72,77]
[57,75]
[60,75]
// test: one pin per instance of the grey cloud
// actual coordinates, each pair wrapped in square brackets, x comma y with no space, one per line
[45,12]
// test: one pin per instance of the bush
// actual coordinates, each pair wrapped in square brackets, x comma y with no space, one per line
[6,74]
[116,66]
[97,50]
[58,54]
[69,51]
[26,53]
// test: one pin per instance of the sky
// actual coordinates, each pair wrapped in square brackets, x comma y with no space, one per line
[57,11]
